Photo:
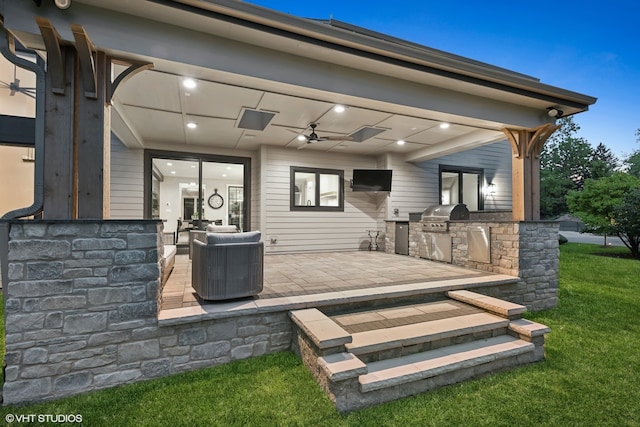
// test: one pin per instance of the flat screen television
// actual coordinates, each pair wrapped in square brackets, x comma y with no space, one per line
[372,180]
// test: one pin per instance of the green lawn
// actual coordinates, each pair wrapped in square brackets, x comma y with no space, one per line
[591,376]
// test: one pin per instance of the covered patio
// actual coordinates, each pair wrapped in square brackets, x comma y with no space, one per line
[322,279]
[204,85]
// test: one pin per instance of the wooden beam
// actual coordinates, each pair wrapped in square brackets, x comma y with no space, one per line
[85,49]
[56,78]
[133,69]
[527,145]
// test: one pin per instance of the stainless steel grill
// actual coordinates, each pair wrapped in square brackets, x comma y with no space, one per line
[435,242]
[436,218]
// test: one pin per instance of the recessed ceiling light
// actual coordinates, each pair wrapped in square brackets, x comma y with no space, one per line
[401,142]
[339,108]
[193,166]
[224,174]
[228,168]
[189,83]
[192,125]
[169,164]
[302,138]
[173,172]
[444,125]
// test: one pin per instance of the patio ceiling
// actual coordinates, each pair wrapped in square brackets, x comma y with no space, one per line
[157,108]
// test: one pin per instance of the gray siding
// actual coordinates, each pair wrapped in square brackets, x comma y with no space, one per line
[495,159]
[127,189]
[313,230]
[413,187]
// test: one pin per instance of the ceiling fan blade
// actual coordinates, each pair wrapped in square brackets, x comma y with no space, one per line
[337,138]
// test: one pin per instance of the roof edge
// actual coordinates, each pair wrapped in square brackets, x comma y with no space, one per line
[342,33]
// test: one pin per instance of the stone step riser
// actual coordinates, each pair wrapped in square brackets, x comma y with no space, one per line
[362,369]
[347,395]
[406,350]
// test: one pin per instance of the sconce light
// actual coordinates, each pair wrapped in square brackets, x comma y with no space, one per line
[554,112]
[491,188]
[62,4]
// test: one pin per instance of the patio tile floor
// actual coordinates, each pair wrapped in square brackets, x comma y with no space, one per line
[289,275]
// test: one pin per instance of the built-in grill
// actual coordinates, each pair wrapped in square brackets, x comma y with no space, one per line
[436,218]
[435,242]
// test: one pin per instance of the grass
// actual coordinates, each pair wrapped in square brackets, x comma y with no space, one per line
[591,376]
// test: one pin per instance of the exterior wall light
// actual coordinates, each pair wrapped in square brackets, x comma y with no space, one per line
[62,4]
[554,112]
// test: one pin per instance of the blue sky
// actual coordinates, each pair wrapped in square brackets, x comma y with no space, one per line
[590,47]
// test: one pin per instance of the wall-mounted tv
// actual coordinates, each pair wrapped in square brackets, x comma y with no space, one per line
[371,180]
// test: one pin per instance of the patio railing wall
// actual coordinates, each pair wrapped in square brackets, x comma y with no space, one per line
[81,313]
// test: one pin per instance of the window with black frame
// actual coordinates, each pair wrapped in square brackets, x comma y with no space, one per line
[317,189]
[461,185]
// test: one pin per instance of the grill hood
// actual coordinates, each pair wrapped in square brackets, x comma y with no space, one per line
[446,212]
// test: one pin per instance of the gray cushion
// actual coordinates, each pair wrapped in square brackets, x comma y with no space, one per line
[228,238]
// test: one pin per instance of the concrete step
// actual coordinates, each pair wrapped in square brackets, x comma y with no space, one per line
[367,357]
[443,361]
[404,340]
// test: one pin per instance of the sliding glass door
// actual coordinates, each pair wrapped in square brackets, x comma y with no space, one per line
[189,192]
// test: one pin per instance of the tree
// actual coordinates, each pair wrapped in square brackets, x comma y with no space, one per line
[600,203]
[633,161]
[565,165]
[603,162]
[627,221]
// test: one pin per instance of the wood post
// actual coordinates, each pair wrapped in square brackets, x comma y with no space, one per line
[78,125]
[525,169]
[93,126]
[60,185]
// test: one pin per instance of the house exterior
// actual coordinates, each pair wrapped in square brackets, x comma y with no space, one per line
[195,111]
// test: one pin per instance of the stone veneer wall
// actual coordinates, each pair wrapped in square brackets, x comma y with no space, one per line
[81,313]
[527,250]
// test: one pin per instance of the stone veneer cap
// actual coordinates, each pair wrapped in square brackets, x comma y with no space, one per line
[323,331]
[494,305]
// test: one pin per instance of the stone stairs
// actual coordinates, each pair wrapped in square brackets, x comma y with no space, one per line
[369,357]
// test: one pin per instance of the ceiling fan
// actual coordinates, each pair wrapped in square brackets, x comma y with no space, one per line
[313,136]
[14,86]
